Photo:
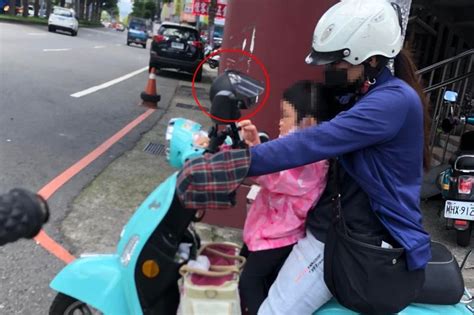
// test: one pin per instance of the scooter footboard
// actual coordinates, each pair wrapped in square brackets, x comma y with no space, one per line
[334,308]
[95,280]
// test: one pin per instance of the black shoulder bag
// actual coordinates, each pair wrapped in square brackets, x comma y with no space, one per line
[363,277]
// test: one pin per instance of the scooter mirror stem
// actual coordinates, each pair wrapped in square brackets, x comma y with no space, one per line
[216,139]
[238,141]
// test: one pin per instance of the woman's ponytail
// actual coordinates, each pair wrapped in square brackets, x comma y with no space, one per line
[405,69]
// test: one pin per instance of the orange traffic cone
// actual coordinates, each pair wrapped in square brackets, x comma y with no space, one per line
[149,97]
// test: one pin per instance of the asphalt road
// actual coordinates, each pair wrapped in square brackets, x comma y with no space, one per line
[44,130]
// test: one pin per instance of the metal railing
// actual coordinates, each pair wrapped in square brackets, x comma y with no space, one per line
[455,74]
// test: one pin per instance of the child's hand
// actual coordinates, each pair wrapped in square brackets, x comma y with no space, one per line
[249,133]
[201,140]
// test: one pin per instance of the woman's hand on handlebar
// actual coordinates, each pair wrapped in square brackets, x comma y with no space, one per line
[249,133]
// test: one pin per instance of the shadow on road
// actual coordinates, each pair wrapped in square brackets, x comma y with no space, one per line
[207,76]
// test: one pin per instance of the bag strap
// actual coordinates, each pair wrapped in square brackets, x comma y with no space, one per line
[338,218]
[241,260]
[228,270]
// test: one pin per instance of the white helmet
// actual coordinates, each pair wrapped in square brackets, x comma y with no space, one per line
[354,30]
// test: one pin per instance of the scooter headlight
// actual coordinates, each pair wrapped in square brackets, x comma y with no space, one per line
[129,249]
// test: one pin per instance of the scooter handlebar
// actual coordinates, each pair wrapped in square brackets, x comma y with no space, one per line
[22,214]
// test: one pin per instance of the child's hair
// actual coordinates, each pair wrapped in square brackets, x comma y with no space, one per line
[307,100]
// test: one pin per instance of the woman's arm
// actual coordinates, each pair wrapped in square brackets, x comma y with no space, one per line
[374,119]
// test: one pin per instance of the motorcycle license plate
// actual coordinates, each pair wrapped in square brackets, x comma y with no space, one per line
[463,210]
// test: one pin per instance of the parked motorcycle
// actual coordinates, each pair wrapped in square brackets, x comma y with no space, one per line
[141,276]
[457,182]
[213,62]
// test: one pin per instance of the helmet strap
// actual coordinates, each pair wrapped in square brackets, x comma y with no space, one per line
[371,73]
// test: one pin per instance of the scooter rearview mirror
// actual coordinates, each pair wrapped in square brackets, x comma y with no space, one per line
[450,96]
[232,91]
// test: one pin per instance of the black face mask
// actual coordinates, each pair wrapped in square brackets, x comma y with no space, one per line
[336,80]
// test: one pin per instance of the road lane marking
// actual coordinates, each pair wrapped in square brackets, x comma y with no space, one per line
[57,49]
[53,247]
[100,32]
[109,83]
[99,46]
[37,34]
[49,189]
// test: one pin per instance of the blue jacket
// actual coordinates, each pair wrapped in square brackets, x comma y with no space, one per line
[380,144]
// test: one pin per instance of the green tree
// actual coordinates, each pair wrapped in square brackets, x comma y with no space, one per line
[137,8]
[144,8]
[111,7]
[149,9]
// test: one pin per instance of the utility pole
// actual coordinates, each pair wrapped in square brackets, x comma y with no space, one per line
[212,17]
[158,11]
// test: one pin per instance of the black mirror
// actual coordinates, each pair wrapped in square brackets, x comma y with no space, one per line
[232,91]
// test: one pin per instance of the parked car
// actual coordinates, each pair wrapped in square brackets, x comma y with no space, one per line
[63,19]
[137,32]
[178,47]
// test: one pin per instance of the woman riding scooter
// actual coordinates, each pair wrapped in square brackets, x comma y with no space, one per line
[365,243]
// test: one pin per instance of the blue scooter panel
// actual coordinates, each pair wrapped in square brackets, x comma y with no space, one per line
[334,308]
[107,282]
[182,147]
[97,280]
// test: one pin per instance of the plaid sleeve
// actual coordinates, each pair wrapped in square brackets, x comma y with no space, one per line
[210,181]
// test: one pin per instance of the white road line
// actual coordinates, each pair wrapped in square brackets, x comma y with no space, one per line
[57,49]
[118,44]
[37,34]
[109,83]
[99,46]
[100,32]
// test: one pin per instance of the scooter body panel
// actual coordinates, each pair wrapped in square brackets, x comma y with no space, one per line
[107,282]
[182,147]
[334,308]
[95,280]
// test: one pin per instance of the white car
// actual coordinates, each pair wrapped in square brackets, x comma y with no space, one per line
[63,19]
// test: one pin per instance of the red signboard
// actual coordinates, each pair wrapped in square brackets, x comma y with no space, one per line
[201,7]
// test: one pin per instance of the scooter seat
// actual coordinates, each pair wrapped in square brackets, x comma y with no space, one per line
[444,284]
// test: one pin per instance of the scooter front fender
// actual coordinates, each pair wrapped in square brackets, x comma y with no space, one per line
[95,280]
[334,308]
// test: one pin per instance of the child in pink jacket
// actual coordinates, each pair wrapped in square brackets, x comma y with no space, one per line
[276,219]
